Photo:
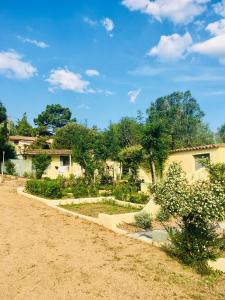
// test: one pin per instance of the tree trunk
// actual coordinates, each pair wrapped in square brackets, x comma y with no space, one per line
[152,170]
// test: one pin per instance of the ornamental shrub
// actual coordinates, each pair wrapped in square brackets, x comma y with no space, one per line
[44,188]
[143,220]
[163,216]
[10,167]
[140,198]
[40,163]
[82,189]
[198,207]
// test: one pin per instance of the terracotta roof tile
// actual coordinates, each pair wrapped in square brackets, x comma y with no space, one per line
[48,152]
[204,147]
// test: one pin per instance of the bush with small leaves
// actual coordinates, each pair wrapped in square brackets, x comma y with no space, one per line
[44,188]
[143,220]
[163,216]
[10,167]
[198,206]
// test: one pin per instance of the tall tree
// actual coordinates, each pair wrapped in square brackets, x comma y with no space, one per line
[156,142]
[129,132]
[182,116]
[87,145]
[53,117]
[221,134]
[23,127]
[5,147]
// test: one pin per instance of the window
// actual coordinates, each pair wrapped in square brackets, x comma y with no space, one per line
[64,161]
[198,158]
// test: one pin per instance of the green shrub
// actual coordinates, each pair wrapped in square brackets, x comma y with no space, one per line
[198,206]
[163,216]
[40,163]
[143,220]
[82,189]
[45,188]
[194,246]
[222,242]
[123,191]
[10,167]
[139,198]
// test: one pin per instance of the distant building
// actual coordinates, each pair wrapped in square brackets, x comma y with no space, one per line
[190,159]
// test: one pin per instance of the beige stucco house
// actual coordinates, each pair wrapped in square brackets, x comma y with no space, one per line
[189,158]
[61,162]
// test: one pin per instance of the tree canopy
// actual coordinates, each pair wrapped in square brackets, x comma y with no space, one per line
[23,127]
[4,145]
[183,118]
[53,117]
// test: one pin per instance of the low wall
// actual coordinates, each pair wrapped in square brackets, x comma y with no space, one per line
[109,221]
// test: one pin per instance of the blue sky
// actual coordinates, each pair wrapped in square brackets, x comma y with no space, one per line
[108,59]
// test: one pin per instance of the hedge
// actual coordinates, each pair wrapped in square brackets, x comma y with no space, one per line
[45,188]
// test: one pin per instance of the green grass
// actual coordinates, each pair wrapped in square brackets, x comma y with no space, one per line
[93,209]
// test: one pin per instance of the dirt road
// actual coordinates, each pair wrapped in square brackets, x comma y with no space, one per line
[47,255]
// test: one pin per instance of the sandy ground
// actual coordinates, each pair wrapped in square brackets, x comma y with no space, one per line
[47,255]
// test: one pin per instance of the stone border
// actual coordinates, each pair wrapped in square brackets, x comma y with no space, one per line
[108,221]
[112,221]
[54,202]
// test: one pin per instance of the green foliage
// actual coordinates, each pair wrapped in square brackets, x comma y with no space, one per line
[40,143]
[198,206]
[182,116]
[143,220]
[139,198]
[216,172]
[129,132]
[3,113]
[44,188]
[23,127]
[123,191]
[195,245]
[4,145]
[10,167]
[222,242]
[87,145]
[163,216]
[126,133]
[82,189]
[221,134]
[173,121]
[128,192]
[156,142]
[55,116]
[131,158]
[40,163]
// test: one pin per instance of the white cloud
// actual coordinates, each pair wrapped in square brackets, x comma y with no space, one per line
[89,21]
[219,8]
[108,24]
[39,44]
[146,71]
[214,47]
[92,72]
[216,28]
[178,11]
[67,80]
[133,95]
[172,47]
[12,66]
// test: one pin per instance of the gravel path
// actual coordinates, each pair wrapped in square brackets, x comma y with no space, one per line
[47,255]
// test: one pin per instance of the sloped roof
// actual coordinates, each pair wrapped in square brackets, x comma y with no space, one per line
[22,138]
[203,147]
[48,152]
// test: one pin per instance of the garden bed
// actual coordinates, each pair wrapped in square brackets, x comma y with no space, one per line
[94,209]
